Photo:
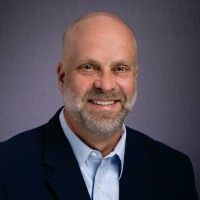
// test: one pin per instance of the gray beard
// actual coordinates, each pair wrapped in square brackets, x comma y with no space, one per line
[98,124]
[101,124]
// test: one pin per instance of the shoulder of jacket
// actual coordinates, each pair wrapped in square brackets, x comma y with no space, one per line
[155,147]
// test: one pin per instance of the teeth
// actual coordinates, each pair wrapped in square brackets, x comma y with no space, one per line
[104,103]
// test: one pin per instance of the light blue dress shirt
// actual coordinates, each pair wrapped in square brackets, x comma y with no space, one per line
[101,174]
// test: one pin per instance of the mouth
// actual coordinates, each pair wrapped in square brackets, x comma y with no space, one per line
[104,105]
[103,102]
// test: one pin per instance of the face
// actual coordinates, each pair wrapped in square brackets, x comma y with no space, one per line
[98,78]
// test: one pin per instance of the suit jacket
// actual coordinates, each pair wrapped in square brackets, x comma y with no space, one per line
[39,164]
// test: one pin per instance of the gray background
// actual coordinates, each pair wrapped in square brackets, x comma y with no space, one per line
[168,33]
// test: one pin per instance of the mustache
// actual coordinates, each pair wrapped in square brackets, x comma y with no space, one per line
[97,94]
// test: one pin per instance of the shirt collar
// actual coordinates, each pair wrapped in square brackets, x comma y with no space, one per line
[82,151]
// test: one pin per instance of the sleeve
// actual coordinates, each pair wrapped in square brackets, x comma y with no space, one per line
[192,189]
[2,197]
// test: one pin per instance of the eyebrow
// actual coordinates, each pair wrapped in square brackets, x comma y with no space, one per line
[89,60]
[86,59]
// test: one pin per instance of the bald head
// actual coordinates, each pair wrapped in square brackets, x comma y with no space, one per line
[95,25]
[97,17]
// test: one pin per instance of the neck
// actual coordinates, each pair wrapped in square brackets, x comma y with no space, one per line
[103,144]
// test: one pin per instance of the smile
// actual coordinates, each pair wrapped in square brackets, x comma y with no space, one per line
[103,103]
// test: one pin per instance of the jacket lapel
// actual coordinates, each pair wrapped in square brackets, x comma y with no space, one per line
[65,180]
[138,181]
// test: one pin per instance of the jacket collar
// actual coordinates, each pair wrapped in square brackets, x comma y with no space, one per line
[58,156]
[138,180]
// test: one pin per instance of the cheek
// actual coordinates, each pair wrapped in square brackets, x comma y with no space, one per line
[79,84]
[128,86]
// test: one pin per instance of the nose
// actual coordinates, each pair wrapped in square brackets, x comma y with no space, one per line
[105,82]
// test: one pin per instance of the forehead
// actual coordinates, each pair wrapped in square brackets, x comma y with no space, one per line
[99,36]
[101,48]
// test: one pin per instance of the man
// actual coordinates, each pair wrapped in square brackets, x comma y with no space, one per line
[85,151]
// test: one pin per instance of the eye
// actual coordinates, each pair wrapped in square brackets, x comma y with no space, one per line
[121,68]
[86,67]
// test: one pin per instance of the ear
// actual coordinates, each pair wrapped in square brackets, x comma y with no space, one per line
[60,76]
[136,72]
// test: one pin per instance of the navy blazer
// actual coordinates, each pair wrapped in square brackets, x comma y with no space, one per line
[39,164]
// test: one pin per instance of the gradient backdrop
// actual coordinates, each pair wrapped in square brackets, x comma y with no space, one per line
[168,34]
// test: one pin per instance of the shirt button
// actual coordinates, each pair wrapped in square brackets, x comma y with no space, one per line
[93,154]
